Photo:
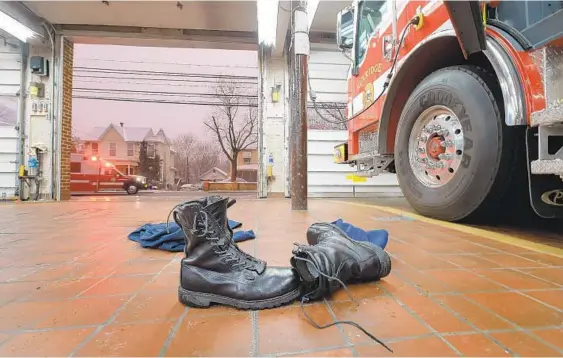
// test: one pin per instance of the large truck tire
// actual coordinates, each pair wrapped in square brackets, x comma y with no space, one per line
[455,158]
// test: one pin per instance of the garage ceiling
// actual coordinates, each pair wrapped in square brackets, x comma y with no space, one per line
[207,24]
[201,15]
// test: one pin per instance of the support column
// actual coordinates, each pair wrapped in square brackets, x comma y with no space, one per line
[298,125]
[272,112]
[66,116]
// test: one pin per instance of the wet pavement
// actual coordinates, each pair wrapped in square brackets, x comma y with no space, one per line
[71,283]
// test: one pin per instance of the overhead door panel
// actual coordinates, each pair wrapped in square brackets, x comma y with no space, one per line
[10,78]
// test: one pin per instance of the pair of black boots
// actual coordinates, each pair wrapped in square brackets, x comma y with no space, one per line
[215,270]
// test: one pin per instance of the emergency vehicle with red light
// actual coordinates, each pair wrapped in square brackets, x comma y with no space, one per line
[93,174]
[463,100]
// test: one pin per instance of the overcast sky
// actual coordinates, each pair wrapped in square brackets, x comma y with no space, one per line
[98,69]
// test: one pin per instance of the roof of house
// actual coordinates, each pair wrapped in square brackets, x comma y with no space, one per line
[247,166]
[129,134]
[213,173]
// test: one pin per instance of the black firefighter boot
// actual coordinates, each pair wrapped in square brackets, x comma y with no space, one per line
[333,259]
[215,270]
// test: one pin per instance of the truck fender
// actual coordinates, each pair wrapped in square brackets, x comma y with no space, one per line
[423,60]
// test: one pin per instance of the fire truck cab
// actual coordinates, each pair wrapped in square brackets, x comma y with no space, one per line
[96,175]
[462,99]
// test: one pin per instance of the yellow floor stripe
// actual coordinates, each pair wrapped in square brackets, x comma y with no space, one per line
[504,238]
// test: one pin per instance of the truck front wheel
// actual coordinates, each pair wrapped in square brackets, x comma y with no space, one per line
[132,189]
[453,152]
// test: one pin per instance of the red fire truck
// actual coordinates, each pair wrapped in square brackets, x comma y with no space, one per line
[96,175]
[462,99]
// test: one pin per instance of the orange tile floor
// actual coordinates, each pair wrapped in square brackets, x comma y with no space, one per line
[72,284]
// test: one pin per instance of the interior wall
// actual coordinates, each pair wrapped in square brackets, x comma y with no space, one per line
[274,123]
[38,119]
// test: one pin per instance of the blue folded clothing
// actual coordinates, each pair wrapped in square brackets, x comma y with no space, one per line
[158,236]
[375,237]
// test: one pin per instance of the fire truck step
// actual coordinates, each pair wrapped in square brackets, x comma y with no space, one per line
[546,189]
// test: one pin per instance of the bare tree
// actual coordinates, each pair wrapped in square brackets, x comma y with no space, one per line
[235,121]
[208,157]
[76,144]
[327,116]
[185,145]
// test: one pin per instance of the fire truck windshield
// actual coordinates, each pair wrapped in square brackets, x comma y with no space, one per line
[370,15]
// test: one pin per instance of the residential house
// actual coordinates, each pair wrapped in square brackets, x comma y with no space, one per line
[121,145]
[213,175]
[247,165]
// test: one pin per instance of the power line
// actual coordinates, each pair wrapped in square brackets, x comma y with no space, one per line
[189,83]
[161,79]
[160,73]
[114,99]
[165,63]
[179,94]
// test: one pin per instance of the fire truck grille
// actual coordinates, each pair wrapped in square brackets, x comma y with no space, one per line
[368,141]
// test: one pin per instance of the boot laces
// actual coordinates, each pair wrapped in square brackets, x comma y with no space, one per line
[306,298]
[228,251]
[231,202]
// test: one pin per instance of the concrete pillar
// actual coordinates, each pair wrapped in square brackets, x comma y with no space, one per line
[273,117]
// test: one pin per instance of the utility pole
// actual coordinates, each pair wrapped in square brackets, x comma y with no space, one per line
[298,127]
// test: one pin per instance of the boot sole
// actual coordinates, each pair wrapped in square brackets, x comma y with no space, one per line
[204,300]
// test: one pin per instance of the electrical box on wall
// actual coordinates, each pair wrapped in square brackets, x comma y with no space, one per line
[39,66]
[37,89]
[39,107]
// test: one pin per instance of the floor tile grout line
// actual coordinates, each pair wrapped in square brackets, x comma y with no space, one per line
[117,311]
[150,321]
[520,292]
[496,249]
[73,260]
[66,328]
[493,313]
[339,327]
[519,269]
[172,333]
[254,342]
[462,318]
[422,321]
[506,287]
[54,310]
[165,290]
[508,253]
[307,351]
[461,268]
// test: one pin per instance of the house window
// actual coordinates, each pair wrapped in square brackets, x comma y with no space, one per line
[246,157]
[112,149]
[151,150]
[130,149]
[95,148]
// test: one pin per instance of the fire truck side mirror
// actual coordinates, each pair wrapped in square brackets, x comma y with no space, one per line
[345,29]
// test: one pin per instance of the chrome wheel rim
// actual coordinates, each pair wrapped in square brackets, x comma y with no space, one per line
[131,189]
[436,146]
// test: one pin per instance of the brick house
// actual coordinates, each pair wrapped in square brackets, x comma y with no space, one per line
[247,165]
[121,146]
